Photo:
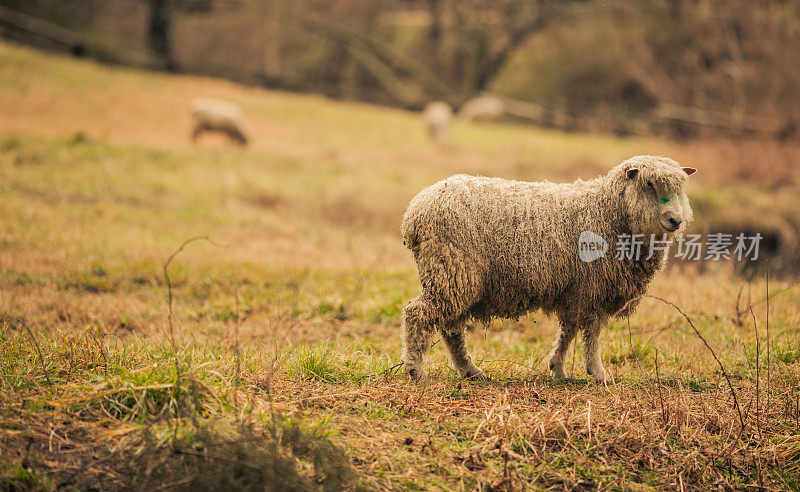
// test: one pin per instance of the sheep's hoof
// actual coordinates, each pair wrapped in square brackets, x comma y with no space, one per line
[476,374]
[557,372]
[601,376]
[417,374]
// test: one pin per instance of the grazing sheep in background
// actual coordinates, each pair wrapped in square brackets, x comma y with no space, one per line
[490,247]
[482,108]
[212,115]
[438,115]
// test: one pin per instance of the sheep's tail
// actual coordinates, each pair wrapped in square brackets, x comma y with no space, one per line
[411,241]
[410,233]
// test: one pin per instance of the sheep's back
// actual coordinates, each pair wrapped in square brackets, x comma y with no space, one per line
[216,113]
[521,236]
[488,212]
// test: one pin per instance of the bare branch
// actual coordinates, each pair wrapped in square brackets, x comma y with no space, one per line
[39,351]
[713,354]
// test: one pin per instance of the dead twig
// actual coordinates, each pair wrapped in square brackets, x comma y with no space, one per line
[758,377]
[737,320]
[388,371]
[791,285]
[767,329]
[758,373]
[169,282]
[361,278]
[237,354]
[39,351]
[713,354]
[660,394]
[172,324]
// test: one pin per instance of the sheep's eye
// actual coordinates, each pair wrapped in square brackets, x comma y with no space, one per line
[663,200]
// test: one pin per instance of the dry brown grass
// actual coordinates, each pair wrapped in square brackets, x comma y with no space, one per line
[521,430]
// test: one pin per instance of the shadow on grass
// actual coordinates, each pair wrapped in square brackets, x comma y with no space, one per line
[291,459]
[222,456]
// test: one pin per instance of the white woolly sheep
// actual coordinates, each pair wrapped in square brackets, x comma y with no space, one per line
[490,247]
[438,115]
[212,115]
[482,108]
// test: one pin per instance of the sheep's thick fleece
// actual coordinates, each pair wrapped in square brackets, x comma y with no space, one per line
[490,247]
[212,115]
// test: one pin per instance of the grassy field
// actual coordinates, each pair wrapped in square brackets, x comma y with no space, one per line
[275,365]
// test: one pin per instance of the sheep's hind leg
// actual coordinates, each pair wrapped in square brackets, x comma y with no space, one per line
[417,322]
[565,335]
[453,338]
[591,347]
[198,129]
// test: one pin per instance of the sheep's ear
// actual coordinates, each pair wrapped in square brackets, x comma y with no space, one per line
[689,170]
[632,173]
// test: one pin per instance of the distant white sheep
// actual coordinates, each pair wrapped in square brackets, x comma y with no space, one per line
[212,115]
[438,116]
[490,247]
[482,108]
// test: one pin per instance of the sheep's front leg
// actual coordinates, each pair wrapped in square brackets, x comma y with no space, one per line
[417,324]
[591,347]
[565,335]
[453,338]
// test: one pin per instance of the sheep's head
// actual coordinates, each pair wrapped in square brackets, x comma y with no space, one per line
[654,194]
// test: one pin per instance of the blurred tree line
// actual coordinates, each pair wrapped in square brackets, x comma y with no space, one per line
[683,67]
